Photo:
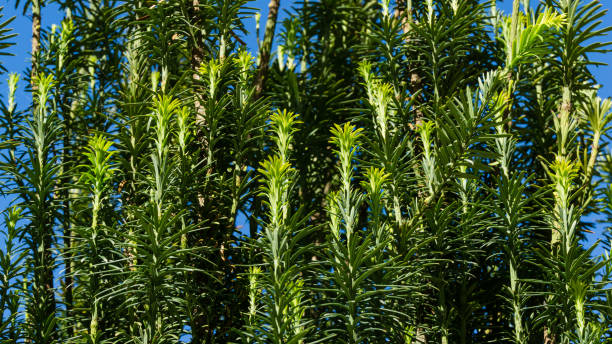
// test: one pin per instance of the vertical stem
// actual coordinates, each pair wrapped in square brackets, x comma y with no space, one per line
[266,47]
[36,23]
[516,307]
[562,137]
[593,157]
[262,72]
[443,311]
[558,228]
[514,23]
[45,262]
[68,194]
[197,56]
[404,12]
[93,282]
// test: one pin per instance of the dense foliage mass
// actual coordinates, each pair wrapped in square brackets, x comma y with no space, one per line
[412,172]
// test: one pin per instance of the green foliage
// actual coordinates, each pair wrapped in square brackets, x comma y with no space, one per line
[398,172]
[5,37]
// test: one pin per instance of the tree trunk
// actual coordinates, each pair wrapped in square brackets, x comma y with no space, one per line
[46,258]
[197,56]
[266,47]
[36,19]
[404,13]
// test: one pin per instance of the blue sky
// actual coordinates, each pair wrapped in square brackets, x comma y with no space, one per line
[51,15]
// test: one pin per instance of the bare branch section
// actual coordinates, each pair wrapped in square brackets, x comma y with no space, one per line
[266,47]
[404,12]
[35,40]
[197,56]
